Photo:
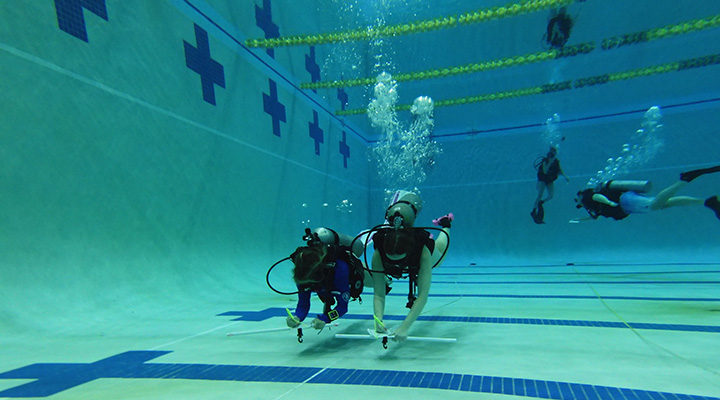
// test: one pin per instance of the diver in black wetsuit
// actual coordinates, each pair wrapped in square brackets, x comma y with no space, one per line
[404,250]
[614,201]
[548,170]
[558,29]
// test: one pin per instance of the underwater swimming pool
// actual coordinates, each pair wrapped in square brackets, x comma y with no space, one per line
[157,158]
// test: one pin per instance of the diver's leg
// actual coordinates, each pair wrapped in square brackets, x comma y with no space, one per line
[540,191]
[550,190]
[679,201]
[441,245]
[660,201]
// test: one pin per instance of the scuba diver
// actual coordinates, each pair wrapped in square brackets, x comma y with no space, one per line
[558,29]
[328,266]
[618,199]
[548,170]
[403,250]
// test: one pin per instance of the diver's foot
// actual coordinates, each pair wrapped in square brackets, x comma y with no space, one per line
[714,204]
[690,175]
[537,218]
[444,221]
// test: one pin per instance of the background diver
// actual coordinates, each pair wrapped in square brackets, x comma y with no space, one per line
[558,29]
[548,170]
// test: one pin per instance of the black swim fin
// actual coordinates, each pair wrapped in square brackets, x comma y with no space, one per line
[538,214]
[541,212]
[690,175]
[714,204]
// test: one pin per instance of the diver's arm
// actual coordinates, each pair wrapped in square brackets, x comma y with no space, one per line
[341,292]
[563,172]
[378,288]
[604,200]
[301,311]
[423,285]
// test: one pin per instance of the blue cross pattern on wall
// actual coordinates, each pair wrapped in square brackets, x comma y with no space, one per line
[71,17]
[263,19]
[344,149]
[198,59]
[312,66]
[272,106]
[316,133]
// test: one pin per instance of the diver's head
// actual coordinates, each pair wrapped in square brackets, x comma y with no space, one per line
[581,195]
[401,214]
[398,244]
[552,152]
[309,264]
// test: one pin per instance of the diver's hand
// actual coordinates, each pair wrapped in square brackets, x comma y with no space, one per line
[380,327]
[400,336]
[318,324]
[292,322]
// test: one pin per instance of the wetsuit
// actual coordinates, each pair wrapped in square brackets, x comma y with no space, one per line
[335,289]
[597,209]
[411,263]
[553,171]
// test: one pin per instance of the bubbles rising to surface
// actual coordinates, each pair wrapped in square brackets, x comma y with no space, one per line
[642,148]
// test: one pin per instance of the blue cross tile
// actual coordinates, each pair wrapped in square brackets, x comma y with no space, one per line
[272,106]
[312,66]
[51,379]
[71,18]
[316,133]
[263,19]
[198,59]
[344,149]
[256,316]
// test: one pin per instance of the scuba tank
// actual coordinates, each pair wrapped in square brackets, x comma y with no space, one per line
[628,186]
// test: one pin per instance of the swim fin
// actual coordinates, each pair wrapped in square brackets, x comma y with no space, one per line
[714,204]
[538,214]
[690,175]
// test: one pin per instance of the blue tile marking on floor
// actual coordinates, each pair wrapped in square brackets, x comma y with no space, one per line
[316,133]
[257,316]
[568,297]
[263,19]
[609,282]
[198,59]
[71,17]
[580,273]
[344,149]
[272,106]
[51,379]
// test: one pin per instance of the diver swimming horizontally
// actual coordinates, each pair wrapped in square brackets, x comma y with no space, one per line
[619,199]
